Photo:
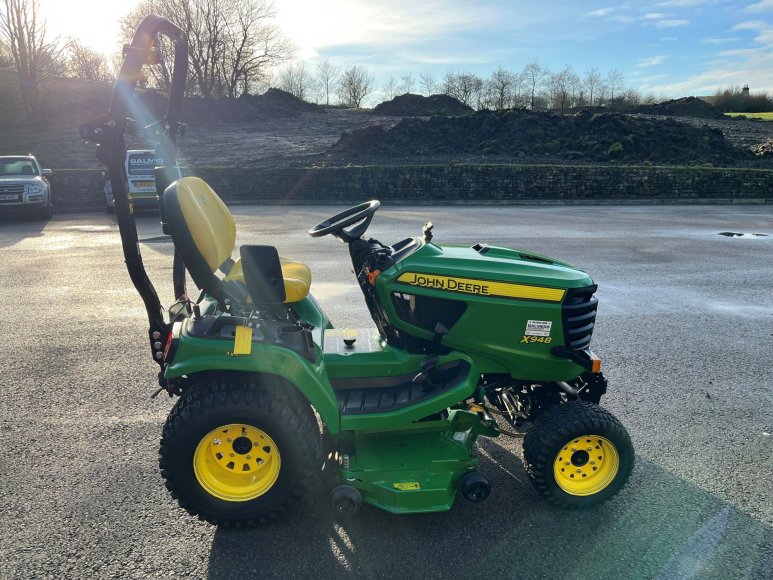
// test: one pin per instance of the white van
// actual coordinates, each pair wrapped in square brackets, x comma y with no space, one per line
[140,166]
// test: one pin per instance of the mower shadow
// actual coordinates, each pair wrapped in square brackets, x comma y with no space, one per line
[659,526]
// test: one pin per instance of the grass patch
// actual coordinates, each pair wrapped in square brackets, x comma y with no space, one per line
[761,116]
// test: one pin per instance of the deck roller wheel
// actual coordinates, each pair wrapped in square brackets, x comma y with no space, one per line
[475,486]
[345,500]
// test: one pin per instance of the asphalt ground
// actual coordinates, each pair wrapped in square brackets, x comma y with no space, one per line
[685,329]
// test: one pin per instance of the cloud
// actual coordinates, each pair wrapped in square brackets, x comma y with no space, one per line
[599,13]
[734,66]
[655,16]
[686,3]
[751,69]
[451,60]
[720,41]
[650,61]
[671,23]
[314,25]
[750,25]
[763,29]
[763,6]
[651,78]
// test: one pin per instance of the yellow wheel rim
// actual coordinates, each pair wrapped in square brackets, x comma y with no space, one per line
[236,462]
[586,465]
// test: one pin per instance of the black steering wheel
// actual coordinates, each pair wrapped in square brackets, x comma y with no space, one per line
[335,225]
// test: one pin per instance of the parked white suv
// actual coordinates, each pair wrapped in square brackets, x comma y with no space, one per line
[24,187]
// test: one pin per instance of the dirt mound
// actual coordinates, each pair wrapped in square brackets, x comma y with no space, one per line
[409,105]
[273,104]
[279,103]
[519,134]
[684,107]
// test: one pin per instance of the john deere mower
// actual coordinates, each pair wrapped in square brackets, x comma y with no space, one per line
[467,341]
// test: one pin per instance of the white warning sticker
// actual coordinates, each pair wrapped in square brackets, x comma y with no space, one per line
[538,328]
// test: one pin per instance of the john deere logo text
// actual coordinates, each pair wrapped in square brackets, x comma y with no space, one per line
[453,284]
[482,287]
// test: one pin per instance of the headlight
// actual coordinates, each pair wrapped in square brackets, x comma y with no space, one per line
[36,188]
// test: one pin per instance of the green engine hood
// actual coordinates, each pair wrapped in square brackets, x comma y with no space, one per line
[487,264]
[502,306]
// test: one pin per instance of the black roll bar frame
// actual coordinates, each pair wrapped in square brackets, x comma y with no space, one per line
[108,131]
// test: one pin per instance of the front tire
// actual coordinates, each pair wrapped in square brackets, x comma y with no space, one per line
[44,213]
[577,454]
[236,451]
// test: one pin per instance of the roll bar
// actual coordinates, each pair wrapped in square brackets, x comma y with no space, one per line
[108,131]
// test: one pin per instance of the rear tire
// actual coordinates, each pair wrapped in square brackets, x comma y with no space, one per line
[577,454]
[237,451]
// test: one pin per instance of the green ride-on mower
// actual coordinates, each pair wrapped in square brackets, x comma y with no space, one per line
[468,341]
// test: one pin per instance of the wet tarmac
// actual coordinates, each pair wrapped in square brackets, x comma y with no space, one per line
[685,330]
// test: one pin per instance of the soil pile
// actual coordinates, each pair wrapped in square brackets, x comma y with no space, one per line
[278,103]
[273,104]
[409,105]
[525,136]
[684,107]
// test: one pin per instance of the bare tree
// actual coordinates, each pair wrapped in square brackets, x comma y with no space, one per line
[87,64]
[519,95]
[560,84]
[467,87]
[297,80]
[407,83]
[390,89]
[254,45]
[232,43]
[614,83]
[34,57]
[575,88]
[500,89]
[327,74]
[603,90]
[428,84]
[355,84]
[6,60]
[632,98]
[592,83]
[533,75]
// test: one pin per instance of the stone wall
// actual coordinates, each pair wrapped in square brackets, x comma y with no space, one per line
[80,189]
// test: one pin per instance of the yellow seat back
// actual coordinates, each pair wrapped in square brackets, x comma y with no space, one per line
[211,226]
[204,234]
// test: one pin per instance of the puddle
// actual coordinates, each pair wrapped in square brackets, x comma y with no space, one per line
[742,235]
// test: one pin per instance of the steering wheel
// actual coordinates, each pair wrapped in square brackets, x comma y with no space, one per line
[335,225]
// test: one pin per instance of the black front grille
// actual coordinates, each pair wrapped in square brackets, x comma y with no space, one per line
[579,316]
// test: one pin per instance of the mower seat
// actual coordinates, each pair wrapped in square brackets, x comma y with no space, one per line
[204,234]
[297,278]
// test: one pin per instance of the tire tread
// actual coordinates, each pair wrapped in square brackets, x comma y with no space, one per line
[561,423]
[209,392]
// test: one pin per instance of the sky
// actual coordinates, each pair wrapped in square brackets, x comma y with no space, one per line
[671,48]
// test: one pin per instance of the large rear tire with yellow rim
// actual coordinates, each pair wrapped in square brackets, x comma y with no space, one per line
[577,454]
[238,450]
